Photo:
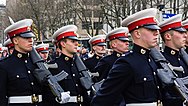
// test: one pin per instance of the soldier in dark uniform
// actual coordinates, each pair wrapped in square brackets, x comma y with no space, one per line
[98,45]
[174,37]
[67,41]
[119,43]
[185,25]
[18,86]
[133,75]
[8,43]
[1,52]
[43,50]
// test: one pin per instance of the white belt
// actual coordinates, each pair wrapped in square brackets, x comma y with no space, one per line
[76,99]
[142,104]
[25,99]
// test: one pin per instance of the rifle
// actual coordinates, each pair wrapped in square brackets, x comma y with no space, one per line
[169,77]
[44,75]
[184,55]
[86,79]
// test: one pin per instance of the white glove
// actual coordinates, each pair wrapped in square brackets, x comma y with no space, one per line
[65,96]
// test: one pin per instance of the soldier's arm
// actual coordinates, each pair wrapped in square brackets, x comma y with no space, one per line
[117,81]
[3,87]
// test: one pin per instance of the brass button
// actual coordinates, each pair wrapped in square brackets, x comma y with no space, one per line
[17,76]
[32,83]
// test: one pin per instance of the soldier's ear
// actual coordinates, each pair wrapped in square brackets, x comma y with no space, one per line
[62,43]
[167,36]
[15,40]
[136,33]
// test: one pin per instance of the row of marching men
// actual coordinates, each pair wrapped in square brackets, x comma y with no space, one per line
[130,75]
[133,79]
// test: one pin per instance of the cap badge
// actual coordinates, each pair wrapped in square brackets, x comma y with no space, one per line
[142,51]
[66,58]
[19,55]
[172,52]
[28,28]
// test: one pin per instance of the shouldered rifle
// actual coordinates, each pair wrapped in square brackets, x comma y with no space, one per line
[168,76]
[184,55]
[44,75]
[86,79]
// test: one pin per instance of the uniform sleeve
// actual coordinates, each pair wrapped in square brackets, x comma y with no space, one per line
[117,81]
[102,68]
[3,87]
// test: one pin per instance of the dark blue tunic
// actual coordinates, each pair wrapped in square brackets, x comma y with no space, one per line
[131,76]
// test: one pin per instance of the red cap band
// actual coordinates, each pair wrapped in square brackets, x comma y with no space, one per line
[98,41]
[173,25]
[118,36]
[18,31]
[41,49]
[66,34]
[10,45]
[145,21]
[186,26]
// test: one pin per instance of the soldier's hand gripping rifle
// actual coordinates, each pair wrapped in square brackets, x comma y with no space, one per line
[86,79]
[169,77]
[43,75]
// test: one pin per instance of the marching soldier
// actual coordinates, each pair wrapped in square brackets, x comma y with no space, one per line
[174,37]
[43,50]
[1,51]
[8,43]
[18,86]
[185,25]
[67,41]
[132,75]
[119,43]
[98,45]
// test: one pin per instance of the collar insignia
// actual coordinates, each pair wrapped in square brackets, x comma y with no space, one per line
[66,58]
[142,51]
[118,55]
[19,55]
[172,52]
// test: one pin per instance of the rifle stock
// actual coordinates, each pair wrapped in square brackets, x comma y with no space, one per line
[168,73]
[44,75]
[86,79]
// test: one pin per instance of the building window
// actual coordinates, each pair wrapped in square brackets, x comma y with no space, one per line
[98,25]
[86,25]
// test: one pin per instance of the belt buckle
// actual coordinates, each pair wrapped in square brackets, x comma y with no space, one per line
[35,98]
[79,99]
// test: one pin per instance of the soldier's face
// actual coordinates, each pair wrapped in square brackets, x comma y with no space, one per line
[120,46]
[23,45]
[99,49]
[69,46]
[44,55]
[148,37]
[178,39]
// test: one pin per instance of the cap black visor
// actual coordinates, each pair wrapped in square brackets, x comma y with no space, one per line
[154,27]
[27,35]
